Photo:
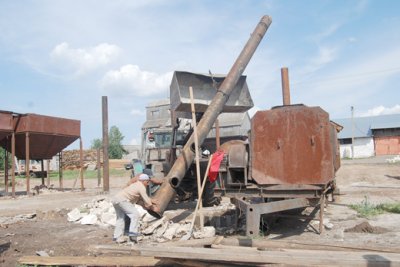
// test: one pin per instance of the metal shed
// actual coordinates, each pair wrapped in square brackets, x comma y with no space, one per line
[33,136]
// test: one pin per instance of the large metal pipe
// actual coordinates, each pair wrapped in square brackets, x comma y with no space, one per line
[178,170]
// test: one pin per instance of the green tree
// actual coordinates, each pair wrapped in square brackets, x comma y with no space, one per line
[2,157]
[115,149]
[96,143]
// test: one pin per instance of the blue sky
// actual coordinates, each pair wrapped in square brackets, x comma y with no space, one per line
[58,58]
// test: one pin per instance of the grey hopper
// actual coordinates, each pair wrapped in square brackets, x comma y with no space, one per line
[204,91]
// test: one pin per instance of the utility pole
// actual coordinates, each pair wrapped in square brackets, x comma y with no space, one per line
[352,132]
[106,173]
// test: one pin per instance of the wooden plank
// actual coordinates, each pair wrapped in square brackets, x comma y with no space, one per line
[283,256]
[180,243]
[92,261]
[114,249]
[268,244]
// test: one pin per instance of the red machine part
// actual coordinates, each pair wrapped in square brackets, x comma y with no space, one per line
[292,145]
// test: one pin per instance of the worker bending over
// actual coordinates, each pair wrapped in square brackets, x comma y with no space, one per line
[124,203]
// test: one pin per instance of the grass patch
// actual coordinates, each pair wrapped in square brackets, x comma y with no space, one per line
[366,209]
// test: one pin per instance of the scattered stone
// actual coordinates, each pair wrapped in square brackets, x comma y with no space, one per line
[327,224]
[170,232]
[393,160]
[42,253]
[74,215]
[207,231]
[152,227]
[365,227]
[108,218]
[89,219]
[161,230]
[182,230]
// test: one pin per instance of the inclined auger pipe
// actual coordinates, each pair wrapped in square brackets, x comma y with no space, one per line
[181,165]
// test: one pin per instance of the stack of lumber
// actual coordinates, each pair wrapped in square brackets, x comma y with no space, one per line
[219,251]
[71,158]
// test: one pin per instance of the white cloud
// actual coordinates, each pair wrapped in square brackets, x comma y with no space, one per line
[325,56]
[327,32]
[131,80]
[381,110]
[83,60]
[137,112]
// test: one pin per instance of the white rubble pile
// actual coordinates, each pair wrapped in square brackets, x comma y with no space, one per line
[394,160]
[100,211]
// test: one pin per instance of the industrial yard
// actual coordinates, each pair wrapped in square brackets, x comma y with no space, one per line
[48,230]
[224,170]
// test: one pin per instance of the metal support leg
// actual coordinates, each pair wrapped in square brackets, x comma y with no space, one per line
[254,211]
[321,213]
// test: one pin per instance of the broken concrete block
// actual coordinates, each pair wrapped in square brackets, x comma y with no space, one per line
[74,215]
[148,218]
[104,205]
[161,230]
[89,219]
[171,230]
[328,225]
[153,226]
[108,218]
[182,230]
[207,231]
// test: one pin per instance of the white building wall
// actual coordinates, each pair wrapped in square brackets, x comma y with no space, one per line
[363,148]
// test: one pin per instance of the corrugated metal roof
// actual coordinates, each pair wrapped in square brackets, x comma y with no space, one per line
[363,126]
[385,125]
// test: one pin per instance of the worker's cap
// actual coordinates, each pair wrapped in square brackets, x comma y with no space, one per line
[149,172]
[144,177]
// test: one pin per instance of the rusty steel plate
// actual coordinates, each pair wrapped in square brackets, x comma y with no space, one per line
[47,135]
[6,124]
[291,145]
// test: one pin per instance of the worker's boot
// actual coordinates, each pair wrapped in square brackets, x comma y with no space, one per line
[133,239]
[121,239]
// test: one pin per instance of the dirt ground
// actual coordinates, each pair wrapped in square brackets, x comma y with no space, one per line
[49,230]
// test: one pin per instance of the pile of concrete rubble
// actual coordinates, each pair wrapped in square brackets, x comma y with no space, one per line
[396,159]
[101,212]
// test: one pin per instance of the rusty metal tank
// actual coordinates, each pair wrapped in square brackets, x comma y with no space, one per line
[292,145]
